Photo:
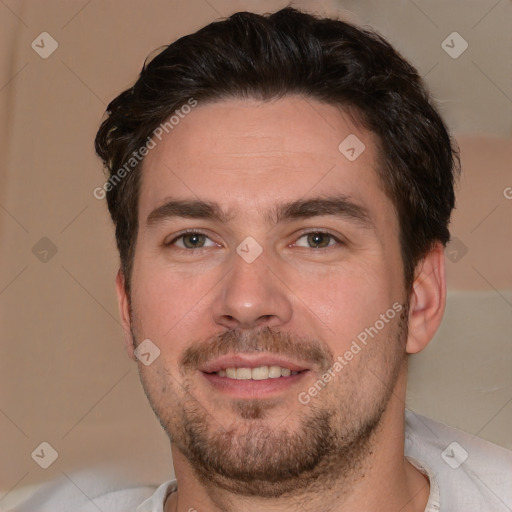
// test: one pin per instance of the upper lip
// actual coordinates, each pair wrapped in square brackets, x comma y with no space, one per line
[251,361]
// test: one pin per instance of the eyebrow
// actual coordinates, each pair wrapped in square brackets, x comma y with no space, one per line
[339,206]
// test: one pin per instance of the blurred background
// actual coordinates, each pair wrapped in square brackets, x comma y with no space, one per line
[64,377]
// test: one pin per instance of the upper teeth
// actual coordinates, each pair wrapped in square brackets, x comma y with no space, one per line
[259,373]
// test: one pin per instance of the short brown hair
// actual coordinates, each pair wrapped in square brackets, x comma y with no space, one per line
[284,53]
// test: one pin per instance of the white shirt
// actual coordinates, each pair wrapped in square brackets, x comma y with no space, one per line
[466,474]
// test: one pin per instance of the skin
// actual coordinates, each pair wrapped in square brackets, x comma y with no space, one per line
[293,299]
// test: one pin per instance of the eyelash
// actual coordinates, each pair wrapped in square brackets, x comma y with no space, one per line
[303,234]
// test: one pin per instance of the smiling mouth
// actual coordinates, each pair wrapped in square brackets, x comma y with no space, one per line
[258,373]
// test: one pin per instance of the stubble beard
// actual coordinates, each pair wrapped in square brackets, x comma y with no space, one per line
[331,441]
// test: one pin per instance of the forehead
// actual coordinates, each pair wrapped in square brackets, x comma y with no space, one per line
[250,155]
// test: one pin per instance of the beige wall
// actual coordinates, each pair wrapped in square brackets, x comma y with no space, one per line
[64,378]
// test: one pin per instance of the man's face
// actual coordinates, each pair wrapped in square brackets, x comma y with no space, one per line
[293,256]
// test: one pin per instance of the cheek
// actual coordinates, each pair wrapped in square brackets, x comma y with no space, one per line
[343,302]
[374,354]
[163,390]
[167,302]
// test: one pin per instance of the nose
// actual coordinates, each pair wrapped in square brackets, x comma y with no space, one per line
[252,296]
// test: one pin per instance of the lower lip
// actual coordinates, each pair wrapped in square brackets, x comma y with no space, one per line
[250,388]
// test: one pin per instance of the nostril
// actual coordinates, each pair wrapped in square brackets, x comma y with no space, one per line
[230,319]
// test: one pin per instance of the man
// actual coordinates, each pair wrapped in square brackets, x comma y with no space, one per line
[281,188]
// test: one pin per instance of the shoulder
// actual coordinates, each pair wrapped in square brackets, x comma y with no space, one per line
[473,475]
[65,496]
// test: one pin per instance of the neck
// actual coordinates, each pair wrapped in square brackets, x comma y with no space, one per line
[383,481]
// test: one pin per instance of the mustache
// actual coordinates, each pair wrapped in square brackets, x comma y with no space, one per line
[263,340]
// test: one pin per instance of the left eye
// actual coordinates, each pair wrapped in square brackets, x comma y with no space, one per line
[317,240]
[192,241]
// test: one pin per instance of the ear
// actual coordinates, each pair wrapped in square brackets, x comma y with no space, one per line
[427,300]
[124,310]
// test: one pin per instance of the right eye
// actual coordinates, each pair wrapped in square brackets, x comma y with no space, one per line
[191,240]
